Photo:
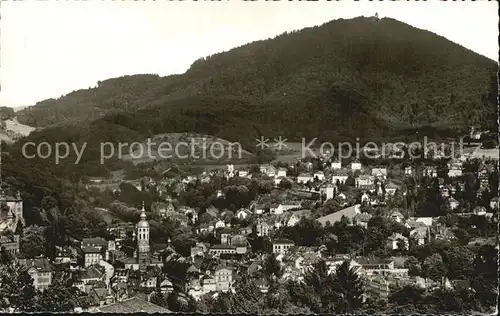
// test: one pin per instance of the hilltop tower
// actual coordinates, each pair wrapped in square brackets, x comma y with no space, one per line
[143,251]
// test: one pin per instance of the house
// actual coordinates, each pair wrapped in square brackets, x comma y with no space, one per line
[420,235]
[243,213]
[166,286]
[453,203]
[340,176]
[377,287]
[198,250]
[380,173]
[319,175]
[336,165]
[225,237]
[162,209]
[349,213]
[222,249]
[213,211]
[220,224]
[365,198]
[290,205]
[427,221]
[455,170]
[223,277]
[445,191]
[10,244]
[397,216]
[262,228]
[330,191]
[93,274]
[304,178]
[293,217]
[246,230]
[268,170]
[494,203]
[282,246]
[391,188]
[281,172]
[259,209]
[276,209]
[262,285]
[121,276]
[208,283]
[292,220]
[40,270]
[409,170]
[395,240]
[483,171]
[364,181]
[373,264]
[479,210]
[204,228]
[355,165]
[91,256]
[429,171]
[220,194]
[362,219]
[277,180]
[96,242]
[412,223]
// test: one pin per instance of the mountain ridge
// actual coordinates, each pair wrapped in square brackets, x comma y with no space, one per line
[346,79]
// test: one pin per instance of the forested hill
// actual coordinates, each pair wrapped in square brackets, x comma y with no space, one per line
[361,77]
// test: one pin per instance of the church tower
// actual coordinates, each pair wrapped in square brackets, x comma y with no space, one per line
[143,252]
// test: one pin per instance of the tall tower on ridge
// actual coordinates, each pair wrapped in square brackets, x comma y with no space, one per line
[143,251]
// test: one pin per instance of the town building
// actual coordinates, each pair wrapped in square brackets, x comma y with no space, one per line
[282,246]
[40,270]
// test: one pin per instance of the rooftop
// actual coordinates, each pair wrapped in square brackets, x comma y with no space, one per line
[349,212]
[133,305]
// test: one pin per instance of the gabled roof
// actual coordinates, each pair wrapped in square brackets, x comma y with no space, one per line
[391,185]
[349,212]
[396,236]
[40,264]
[92,272]
[91,250]
[302,175]
[133,305]
[283,241]
[99,241]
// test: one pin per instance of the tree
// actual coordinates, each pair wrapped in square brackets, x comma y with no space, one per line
[350,288]
[434,267]
[17,291]
[33,242]
[5,256]
[272,266]
[59,297]
[485,280]
[323,286]
[413,266]
[408,295]
[459,263]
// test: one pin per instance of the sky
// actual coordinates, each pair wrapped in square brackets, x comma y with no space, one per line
[51,48]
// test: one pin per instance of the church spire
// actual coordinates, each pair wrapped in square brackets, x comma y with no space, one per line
[143,212]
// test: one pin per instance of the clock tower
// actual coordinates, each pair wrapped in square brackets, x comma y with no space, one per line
[143,251]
